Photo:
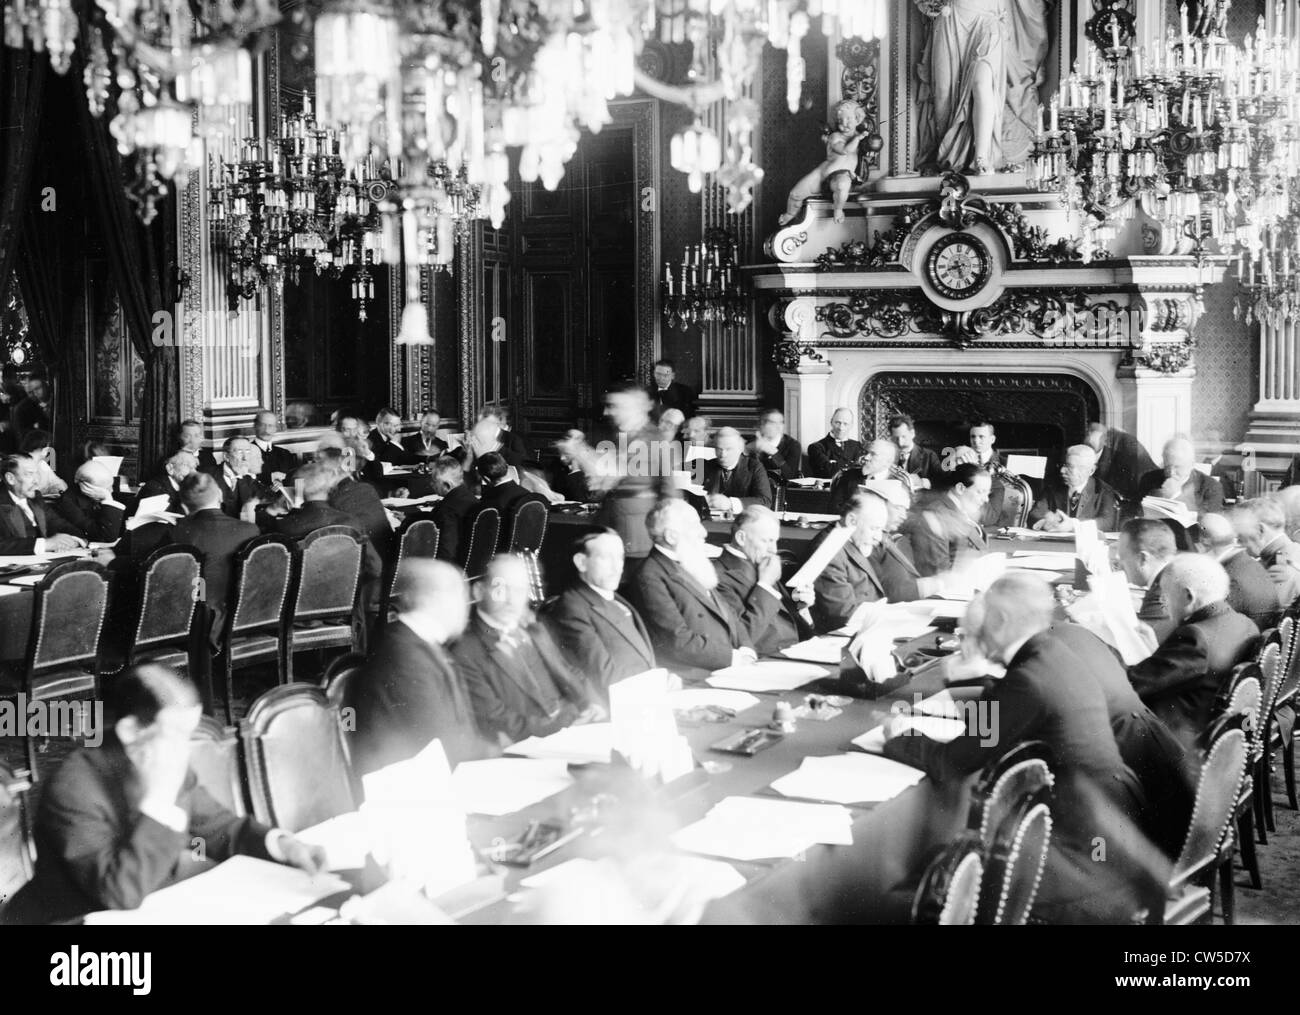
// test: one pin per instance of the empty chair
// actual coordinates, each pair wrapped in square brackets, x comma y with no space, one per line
[1017,500]
[417,538]
[16,857]
[528,527]
[950,887]
[63,647]
[480,547]
[168,629]
[257,614]
[214,758]
[298,770]
[323,614]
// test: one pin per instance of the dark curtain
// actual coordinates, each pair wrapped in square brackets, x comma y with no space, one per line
[22,83]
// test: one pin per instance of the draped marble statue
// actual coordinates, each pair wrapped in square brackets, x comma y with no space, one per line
[980,72]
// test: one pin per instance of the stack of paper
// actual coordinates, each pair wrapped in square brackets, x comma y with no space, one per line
[151,509]
[578,744]
[1109,612]
[934,727]
[848,779]
[645,728]
[701,697]
[825,648]
[767,675]
[432,498]
[1025,561]
[1018,533]
[749,828]
[504,785]
[344,838]
[808,516]
[1165,507]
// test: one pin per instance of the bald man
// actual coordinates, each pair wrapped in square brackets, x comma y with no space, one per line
[734,479]
[1180,480]
[1250,590]
[878,465]
[88,506]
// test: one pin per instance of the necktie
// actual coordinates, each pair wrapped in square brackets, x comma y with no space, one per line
[726,478]
[26,509]
[1074,502]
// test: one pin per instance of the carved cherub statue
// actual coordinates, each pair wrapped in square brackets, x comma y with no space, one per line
[840,170]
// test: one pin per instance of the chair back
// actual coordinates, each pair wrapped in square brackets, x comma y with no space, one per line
[949,892]
[68,613]
[264,570]
[1289,682]
[1017,500]
[418,537]
[297,765]
[1007,786]
[1242,701]
[482,543]
[1270,669]
[214,757]
[17,860]
[329,573]
[170,582]
[528,527]
[1217,792]
[1015,867]
[337,675]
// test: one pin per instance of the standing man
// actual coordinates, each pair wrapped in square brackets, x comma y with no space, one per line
[33,412]
[920,464]
[836,450]
[1121,459]
[669,393]
[277,462]
[778,452]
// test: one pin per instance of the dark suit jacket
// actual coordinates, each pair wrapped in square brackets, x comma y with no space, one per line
[940,531]
[507,498]
[921,462]
[278,459]
[748,481]
[95,850]
[771,622]
[414,444]
[510,698]
[28,415]
[450,516]
[826,458]
[1201,493]
[1182,678]
[219,537]
[1154,611]
[1097,502]
[17,535]
[688,626]
[784,464]
[1227,478]
[893,563]
[848,581]
[407,694]
[362,502]
[163,486]
[93,521]
[1122,462]
[387,451]
[314,515]
[1251,592]
[676,396]
[598,640]
[234,498]
[207,460]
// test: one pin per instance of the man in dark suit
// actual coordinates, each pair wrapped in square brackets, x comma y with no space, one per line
[426,444]
[850,579]
[921,464]
[1078,496]
[1048,695]
[668,393]
[519,683]
[409,691]
[749,581]
[1261,527]
[317,481]
[501,492]
[362,501]
[878,465]
[385,441]
[1211,448]
[191,440]
[778,452]
[356,438]
[25,528]
[1180,681]
[120,820]
[675,591]
[893,559]
[275,459]
[457,505]
[239,487]
[1146,546]
[1121,459]
[836,450]
[88,506]
[948,525]
[168,482]
[512,446]
[32,412]
[1251,591]
[1181,480]
[734,479]
[598,630]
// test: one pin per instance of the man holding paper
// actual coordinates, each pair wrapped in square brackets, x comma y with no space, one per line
[1261,527]
[1078,496]
[846,579]
[749,580]
[168,482]
[1180,479]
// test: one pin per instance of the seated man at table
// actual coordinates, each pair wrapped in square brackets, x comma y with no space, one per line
[1251,591]
[734,480]
[1048,695]
[519,683]
[599,631]
[849,579]
[168,482]
[1146,546]
[409,691]
[355,435]
[1261,527]
[749,581]
[948,525]
[1078,496]
[88,506]
[892,558]
[190,436]
[277,461]
[776,450]
[317,482]
[1181,480]
[499,489]
[877,465]
[426,444]
[120,820]
[675,591]
[25,527]
[236,478]
[361,500]
[835,451]
[385,442]
[921,464]
[1180,680]
[457,504]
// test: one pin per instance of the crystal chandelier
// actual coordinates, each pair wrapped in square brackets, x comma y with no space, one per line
[703,289]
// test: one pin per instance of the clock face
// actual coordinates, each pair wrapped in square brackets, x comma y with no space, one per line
[958,265]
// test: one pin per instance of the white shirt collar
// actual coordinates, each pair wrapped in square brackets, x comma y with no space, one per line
[496,624]
[734,552]
[671,554]
[604,594]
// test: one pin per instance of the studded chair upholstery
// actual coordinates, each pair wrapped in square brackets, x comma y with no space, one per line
[297,765]
[481,546]
[323,614]
[257,613]
[1282,721]
[168,623]
[949,892]
[17,859]
[69,608]
[1270,667]
[1242,704]
[214,757]
[417,538]
[1014,867]
[334,681]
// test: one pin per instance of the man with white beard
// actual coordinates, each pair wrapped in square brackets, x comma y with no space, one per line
[690,625]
